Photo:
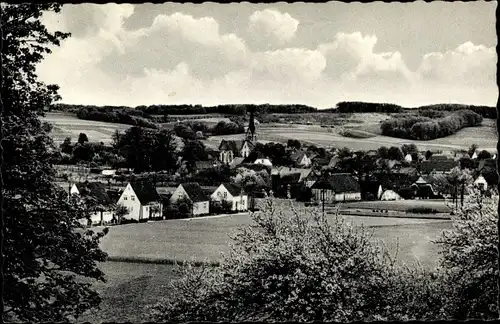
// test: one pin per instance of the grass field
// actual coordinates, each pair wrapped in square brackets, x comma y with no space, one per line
[400,205]
[66,125]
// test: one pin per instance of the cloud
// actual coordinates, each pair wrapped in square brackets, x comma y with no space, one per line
[351,57]
[273,25]
[176,38]
[289,65]
[467,64]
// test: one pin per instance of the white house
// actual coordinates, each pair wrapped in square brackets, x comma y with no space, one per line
[408,158]
[301,159]
[474,156]
[390,195]
[234,194]
[229,149]
[481,182]
[265,162]
[193,192]
[97,191]
[142,200]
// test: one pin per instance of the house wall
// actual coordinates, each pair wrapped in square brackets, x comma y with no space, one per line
[329,195]
[245,150]
[106,217]
[201,208]
[349,196]
[74,190]
[178,194]
[221,193]
[129,200]
[305,161]
[226,156]
[240,203]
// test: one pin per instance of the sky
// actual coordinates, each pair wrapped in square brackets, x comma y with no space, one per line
[409,54]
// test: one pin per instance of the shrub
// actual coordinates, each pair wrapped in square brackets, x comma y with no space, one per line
[291,267]
[422,210]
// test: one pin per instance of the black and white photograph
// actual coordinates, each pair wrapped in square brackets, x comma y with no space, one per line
[249,162]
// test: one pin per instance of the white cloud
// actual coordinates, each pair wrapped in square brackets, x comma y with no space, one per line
[272,24]
[351,57]
[467,64]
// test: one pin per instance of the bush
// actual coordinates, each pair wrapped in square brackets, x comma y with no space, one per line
[291,267]
[422,210]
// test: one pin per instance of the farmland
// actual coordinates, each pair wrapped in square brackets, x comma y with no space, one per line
[330,135]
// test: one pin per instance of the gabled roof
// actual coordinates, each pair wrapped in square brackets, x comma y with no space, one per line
[488,163]
[440,165]
[282,171]
[233,189]
[194,192]
[297,156]
[405,170]
[206,164]
[234,145]
[96,190]
[236,161]
[338,182]
[291,178]
[145,191]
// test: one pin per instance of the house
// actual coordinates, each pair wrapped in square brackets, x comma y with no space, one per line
[337,187]
[287,185]
[142,200]
[301,159]
[263,161]
[474,156]
[96,191]
[437,166]
[480,182]
[203,165]
[408,158]
[229,149]
[390,195]
[236,161]
[196,196]
[234,194]
[333,162]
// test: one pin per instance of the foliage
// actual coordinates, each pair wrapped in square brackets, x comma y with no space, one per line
[395,153]
[293,143]
[120,115]
[120,212]
[287,267]
[146,149]
[46,252]
[425,128]
[365,107]
[193,151]
[470,259]
[227,128]
[82,138]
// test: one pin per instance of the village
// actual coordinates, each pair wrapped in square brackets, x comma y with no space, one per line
[315,176]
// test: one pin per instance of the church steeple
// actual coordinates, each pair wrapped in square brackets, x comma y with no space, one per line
[250,136]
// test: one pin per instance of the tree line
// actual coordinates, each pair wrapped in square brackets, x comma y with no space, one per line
[120,115]
[426,128]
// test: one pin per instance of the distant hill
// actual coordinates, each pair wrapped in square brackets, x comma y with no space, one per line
[241,109]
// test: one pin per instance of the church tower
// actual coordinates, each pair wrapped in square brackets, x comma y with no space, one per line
[251,136]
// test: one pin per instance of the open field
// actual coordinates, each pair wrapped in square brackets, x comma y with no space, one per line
[66,125]
[485,136]
[400,205]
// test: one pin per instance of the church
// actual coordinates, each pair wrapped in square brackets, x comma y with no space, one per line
[231,149]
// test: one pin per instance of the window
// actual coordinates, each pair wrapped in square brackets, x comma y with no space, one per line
[124,197]
[205,205]
[225,194]
[219,194]
[147,208]
[133,198]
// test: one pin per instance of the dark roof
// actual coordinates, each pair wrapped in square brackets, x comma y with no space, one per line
[234,145]
[405,170]
[488,163]
[206,164]
[233,189]
[145,191]
[437,165]
[195,192]
[96,190]
[338,182]
[291,178]
[297,156]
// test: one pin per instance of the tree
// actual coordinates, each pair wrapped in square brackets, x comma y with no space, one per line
[120,212]
[395,153]
[409,149]
[45,248]
[470,260]
[483,155]
[428,154]
[193,151]
[66,146]
[293,143]
[383,152]
[289,266]
[82,138]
